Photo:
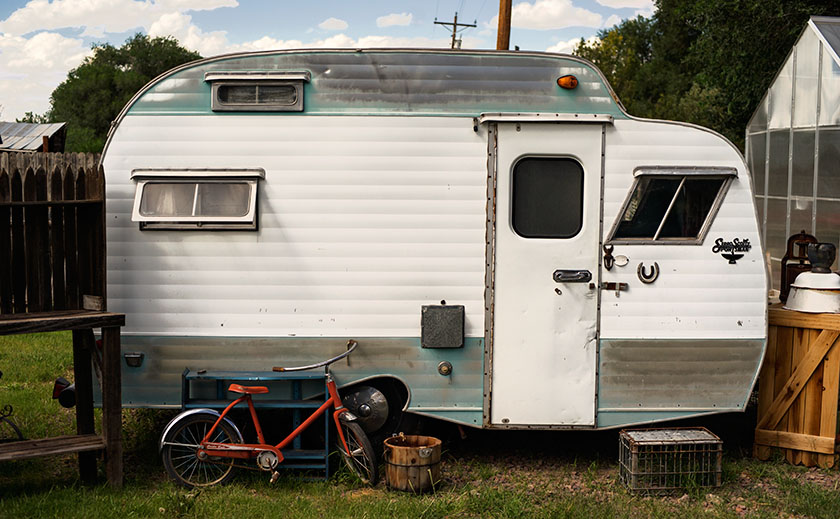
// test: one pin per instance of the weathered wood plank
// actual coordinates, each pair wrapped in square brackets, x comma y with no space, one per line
[828,403]
[112,405]
[782,367]
[71,257]
[781,317]
[766,380]
[796,413]
[52,323]
[798,378]
[812,399]
[56,184]
[83,237]
[794,441]
[5,236]
[41,233]
[83,345]
[18,245]
[50,446]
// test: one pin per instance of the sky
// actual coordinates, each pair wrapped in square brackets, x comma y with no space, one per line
[42,40]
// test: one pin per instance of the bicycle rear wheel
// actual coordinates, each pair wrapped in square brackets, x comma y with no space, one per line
[180,452]
[360,458]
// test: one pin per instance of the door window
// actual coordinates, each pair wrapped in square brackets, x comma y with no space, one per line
[547,197]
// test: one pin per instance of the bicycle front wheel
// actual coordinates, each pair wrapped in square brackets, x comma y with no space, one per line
[180,452]
[360,457]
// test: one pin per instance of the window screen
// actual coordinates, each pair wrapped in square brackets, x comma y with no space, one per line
[206,203]
[257,96]
[669,208]
[547,197]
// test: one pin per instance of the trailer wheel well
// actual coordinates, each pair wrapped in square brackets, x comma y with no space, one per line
[396,394]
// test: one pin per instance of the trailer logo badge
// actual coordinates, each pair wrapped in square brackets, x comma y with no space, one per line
[730,249]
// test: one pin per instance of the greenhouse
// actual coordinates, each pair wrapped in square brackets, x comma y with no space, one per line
[793,144]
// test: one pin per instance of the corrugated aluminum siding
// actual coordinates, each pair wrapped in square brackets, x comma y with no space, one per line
[361,221]
[698,293]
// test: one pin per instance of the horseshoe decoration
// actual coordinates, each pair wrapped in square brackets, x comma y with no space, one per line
[646,278]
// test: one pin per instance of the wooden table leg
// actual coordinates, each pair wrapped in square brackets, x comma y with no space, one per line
[112,405]
[82,348]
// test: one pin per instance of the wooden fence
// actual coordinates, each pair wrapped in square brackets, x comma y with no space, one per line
[52,232]
[798,388]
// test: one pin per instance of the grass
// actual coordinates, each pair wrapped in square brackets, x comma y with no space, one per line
[490,474]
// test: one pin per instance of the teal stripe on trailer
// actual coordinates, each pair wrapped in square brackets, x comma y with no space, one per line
[457,398]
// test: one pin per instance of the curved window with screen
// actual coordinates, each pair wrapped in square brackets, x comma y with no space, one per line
[547,198]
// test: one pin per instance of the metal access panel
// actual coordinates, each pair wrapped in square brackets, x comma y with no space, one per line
[442,326]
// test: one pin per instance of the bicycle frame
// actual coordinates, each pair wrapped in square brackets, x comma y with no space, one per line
[252,450]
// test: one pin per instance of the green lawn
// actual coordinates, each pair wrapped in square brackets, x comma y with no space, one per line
[488,474]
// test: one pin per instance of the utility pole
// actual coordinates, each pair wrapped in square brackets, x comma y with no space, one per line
[454,24]
[503,34]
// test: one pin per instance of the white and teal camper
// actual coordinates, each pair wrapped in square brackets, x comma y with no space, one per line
[508,252]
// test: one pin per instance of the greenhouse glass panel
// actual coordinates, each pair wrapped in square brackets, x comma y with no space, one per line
[776,235]
[803,163]
[801,212]
[779,154]
[757,160]
[758,123]
[780,93]
[828,223]
[829,159]
[806,80]
[829,90]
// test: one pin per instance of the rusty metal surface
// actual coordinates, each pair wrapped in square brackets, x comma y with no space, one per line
[399,81]
[677,375]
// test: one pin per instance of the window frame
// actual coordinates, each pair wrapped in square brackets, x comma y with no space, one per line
[728,174]
[512,209]
[256,79]
[247,222]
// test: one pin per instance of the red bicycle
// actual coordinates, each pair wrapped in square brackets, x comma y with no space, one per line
[200,447]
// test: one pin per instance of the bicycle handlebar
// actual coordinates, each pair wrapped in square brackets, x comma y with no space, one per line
[351,345]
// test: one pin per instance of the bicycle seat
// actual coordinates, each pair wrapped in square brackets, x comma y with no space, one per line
[250,390]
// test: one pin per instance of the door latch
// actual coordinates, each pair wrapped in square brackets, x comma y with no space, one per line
[612,285]
[572,276]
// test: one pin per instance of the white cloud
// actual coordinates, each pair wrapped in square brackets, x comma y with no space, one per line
[550,14]
[567,47]
[636,4]
[614,19]
[180,26]
[333,24]
[31,68]
[99,16]
[394,19]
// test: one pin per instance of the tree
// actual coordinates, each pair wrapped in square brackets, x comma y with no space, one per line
[703,61]
[94,92]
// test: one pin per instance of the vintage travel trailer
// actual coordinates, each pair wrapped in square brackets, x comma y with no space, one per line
[508,246]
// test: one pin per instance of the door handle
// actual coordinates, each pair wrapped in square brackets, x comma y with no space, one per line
[572,276]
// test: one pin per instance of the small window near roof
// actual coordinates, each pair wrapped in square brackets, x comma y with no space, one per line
[671,205]
[256,91]
[196,200]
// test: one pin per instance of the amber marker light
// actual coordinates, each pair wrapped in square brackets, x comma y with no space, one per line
[568,82]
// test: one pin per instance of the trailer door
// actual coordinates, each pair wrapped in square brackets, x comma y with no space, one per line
[548,196]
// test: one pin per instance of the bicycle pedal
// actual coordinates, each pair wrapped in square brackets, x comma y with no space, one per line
[274,476]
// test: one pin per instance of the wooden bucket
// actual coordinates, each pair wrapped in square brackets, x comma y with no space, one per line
[412,463]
